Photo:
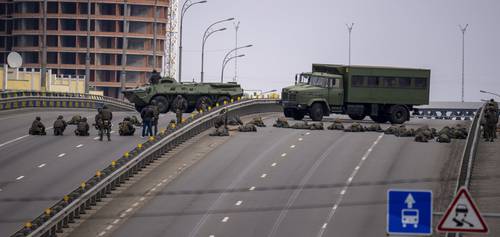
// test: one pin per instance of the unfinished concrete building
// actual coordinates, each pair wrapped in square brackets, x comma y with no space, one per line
[21,30]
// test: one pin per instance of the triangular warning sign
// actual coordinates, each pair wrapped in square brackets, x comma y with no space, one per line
[462,215]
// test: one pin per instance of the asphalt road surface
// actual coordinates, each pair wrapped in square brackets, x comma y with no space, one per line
[286,182]
[36,171]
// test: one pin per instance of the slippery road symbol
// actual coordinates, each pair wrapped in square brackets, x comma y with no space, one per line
[460,214]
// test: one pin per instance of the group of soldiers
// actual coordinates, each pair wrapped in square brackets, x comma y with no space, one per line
[490,121]
[223,121]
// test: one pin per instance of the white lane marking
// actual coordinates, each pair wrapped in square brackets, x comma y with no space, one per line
[211,236]
[1,190]
[112,132]
[252,188]
[263,175]
[109,227]
[42,165]
[135,204]
[96,138]
[80,145]
[13,140]
[350,179]
[20,177]
[123,215]
[116,221]
[129,210]
[153,189]
[307,133]
[225,219]
[348,183]
[273,164]
[300,139]
[238,203]
[301,185]
[324,225]
[102,233]
[292,146]
[61,155]
[283,155]
[142,199]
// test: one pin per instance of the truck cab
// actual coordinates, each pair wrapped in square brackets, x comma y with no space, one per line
[314,93]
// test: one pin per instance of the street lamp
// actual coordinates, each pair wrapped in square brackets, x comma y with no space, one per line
[229,53]
[206,35]
[491,93]
[463,29]
[225,63]
[187,4]
[349,28]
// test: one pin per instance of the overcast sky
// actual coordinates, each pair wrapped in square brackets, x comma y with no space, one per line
[289,35]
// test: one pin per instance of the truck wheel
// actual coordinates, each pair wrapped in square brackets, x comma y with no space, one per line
[357,116]
[398,114]
[298,115]
[163,103]
[380,118]
[316,112]
[288,112]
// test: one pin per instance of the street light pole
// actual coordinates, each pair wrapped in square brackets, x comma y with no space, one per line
[229,53]
[349,28]
[155,17]
[236,28]
[225,63]
[87,54]
[187,4]
[43,70]
[206,35]
[491,93]
[463,29]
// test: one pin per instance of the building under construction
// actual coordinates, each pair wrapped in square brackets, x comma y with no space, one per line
[113,48]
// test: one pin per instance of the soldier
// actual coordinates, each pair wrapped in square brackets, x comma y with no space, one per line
[281,122]
[301,125]
[490,123]
[374,128]
[317,126]
[103,122]
[147,115]
[203,104]
[423,134]
[443,138]
[234,121]
[180,106]
[82,129]
[221,120]
[126,127]
[154,78]
[156,112]
[135,121]
[355,127]
[37,127]
[249,127]
[172,123]
[257,121]
[75,120]
[336,125]
[59,126]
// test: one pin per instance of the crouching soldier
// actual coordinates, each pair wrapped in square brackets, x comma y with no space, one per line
[281,122]
[37,127]
[75,120]
[247,128]
[82,129]
[59,126]
[126,127]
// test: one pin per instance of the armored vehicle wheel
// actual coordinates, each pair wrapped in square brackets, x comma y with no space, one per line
[316,112]
[288,112]
[163,103]
[398,114]
[207,99]
[298,115]
[357,116]
[380,118]
[222,99]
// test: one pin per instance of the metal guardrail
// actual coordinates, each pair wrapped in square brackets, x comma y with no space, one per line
[445,113]
[65,211]
[28,99]
[470,151]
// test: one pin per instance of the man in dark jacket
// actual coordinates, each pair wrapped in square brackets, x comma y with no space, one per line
[156,112]
[37,127]
[154,78]
[59,126]
[103,122]
[82,129]
[147,115]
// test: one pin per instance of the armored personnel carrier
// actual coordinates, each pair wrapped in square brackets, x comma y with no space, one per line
[166,90]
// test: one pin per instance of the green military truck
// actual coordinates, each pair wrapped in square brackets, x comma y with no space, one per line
[383,93]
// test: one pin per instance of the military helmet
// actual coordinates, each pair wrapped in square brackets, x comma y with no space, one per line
[60,117]
[84,119]
[126,118]
[99,110]
[38,118]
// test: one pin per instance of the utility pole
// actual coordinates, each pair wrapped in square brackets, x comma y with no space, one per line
[43,70]
[236,28]
[123,74]
[187,4]
[349,28]
[463,29]
[87,55]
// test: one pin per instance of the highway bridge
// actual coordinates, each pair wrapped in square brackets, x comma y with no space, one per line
[275,182]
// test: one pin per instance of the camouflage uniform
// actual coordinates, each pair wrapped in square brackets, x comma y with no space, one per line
[336,125]
[301,125]
[82,129]
[103,122]
[355,127]
[234,121]
[247,128]
[443,138]
[59,126]
[317,126]
[126,127]
[135,121]
[75,120]
[221,120]
[156,112]
[257,121]
[220,132]
[391,130]
[374,128]
[281,122]
[180,106]
[37,127]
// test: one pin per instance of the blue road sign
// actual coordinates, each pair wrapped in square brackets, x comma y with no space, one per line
[409,212]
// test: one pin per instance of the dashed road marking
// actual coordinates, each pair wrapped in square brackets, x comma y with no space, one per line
[13,140]
[300,139]
[96,138]
[123,215]
[135,204]
[129,210]
[307,133]
[61,155]
[292,146]
[20,177]
[142,199]
[80,145]
[116,221]
[42,165]
[238,203]
[112,132]
[252,188]
[102,233]
[225,219]
[273,164]
[263,175]
[324,225]
[211,236]
[283,155]
[348,183]
[153,189]
[109,227]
